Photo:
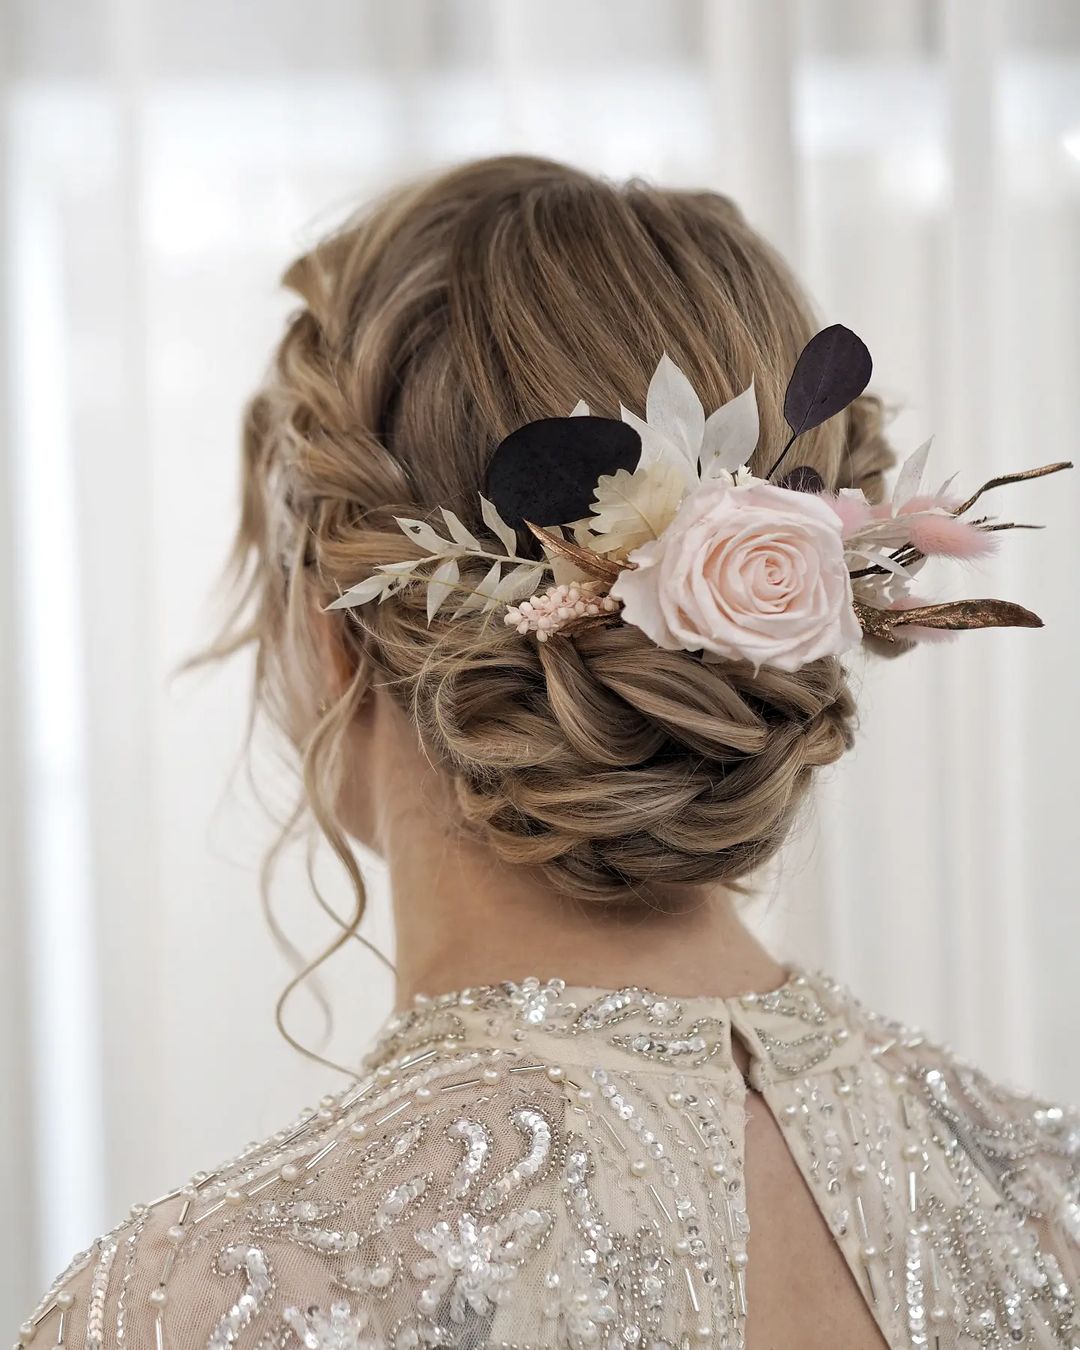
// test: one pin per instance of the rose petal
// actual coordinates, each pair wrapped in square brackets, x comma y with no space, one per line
[748,572]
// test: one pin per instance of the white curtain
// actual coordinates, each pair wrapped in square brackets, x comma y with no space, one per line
[161,161]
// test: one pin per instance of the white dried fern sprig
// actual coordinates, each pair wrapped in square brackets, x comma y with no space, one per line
[509,577]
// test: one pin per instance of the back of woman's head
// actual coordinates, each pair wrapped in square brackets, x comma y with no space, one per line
[431,327]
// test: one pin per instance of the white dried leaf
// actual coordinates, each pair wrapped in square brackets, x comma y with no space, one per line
[629,509]
[880,590]
[395,584]
[656,448]
[519,582]
[870,589]
[362,593]
[405,568]
[887,532]
[483,592]
[877,559]
[909,479]
[565,570]
[498,526]
[428,539]
[580,409]
[441,585]
[582,531]
[673,409]
[459,533]
[731,435]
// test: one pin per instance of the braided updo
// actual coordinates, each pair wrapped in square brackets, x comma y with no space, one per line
[431,327]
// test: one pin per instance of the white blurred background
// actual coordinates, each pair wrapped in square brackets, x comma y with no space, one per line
[161,161]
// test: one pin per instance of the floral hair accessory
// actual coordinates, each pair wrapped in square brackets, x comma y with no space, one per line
[657,522]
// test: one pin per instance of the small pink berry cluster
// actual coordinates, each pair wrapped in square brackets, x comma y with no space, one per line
[547,611]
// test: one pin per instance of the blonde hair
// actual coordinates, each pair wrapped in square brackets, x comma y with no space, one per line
[431,326]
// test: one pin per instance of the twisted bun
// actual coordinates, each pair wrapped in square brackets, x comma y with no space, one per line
[614,767]
[454,312]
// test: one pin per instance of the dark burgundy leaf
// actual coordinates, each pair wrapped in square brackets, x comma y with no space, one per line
[833,370]
[802,479]
[546,471]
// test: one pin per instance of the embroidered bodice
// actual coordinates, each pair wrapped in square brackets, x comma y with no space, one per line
[535,1165]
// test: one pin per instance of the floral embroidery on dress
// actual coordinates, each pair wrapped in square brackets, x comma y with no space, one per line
[697,1043]
[338,1329]
[566,1168]
[472,1263]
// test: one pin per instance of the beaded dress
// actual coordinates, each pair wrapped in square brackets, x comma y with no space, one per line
[535,1165]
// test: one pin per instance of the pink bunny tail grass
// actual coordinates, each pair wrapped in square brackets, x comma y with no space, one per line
[947,537]
[852,508]
[916,632]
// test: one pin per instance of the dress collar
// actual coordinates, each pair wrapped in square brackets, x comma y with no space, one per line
[806,1025]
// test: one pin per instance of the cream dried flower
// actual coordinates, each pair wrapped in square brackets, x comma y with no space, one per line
[629,509]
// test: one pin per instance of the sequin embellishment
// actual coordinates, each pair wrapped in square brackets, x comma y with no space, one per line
[252,1261]
[338,1329]
[471,1263]
[532,1164]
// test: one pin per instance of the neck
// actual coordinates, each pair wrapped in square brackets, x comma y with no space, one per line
[461,936]
[463,919]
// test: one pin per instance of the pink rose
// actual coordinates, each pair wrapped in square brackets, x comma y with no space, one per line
[753,572]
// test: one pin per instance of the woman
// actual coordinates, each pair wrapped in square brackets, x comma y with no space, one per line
[573,744]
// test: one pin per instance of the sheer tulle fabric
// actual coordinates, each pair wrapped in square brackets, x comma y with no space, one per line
[537,1165]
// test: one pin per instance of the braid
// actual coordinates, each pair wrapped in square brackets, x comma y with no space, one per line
[607,762]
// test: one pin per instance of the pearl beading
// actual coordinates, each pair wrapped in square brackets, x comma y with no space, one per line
[925,1172]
